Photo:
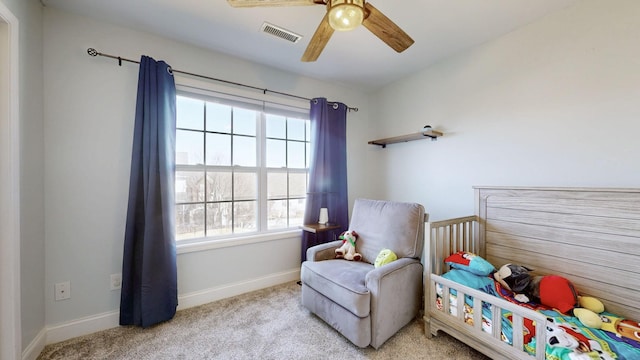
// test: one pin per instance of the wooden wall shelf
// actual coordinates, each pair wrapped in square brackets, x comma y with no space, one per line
[431,134]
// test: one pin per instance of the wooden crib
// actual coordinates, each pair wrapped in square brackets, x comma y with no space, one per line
[590,236]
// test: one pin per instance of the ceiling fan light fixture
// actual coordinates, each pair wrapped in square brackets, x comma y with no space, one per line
[345,15]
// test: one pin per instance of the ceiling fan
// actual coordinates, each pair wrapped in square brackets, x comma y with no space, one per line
[342,15]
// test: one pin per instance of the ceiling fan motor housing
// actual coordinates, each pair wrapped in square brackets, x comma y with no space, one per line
[345,15]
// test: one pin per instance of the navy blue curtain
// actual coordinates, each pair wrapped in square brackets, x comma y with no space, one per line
[327,171]
[149,275]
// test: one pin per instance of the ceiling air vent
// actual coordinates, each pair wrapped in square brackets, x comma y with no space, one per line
[280,32]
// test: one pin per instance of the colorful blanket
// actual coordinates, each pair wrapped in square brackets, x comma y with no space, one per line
[567,337]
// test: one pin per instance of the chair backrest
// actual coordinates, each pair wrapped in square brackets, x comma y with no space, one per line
[390,225]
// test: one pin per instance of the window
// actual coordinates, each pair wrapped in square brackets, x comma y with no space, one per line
[241,168]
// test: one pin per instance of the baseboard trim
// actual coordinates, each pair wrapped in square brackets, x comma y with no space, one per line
[35,347]
[222,292]
[108,320]
[82,326]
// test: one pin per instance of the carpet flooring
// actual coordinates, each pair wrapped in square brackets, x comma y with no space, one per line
[265,324]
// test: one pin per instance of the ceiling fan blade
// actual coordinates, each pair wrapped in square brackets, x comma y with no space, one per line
[318,41]
[382,27]
[255,3]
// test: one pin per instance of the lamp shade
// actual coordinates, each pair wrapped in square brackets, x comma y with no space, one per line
[345,15]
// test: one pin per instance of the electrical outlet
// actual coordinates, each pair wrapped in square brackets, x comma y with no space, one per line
[116,281]
[62,290]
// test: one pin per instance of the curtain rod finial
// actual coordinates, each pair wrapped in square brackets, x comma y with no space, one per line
[92,52]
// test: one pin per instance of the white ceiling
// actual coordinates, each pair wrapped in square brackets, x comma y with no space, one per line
[358,59]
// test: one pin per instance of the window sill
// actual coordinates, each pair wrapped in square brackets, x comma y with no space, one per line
[204,244]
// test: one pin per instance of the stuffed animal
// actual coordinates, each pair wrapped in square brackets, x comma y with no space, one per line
[384,257]
[348,249]
[517,279]
[550,290]
[590,313]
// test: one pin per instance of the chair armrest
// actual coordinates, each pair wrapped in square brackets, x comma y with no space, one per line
[376,275]
[396,297]
[324,251]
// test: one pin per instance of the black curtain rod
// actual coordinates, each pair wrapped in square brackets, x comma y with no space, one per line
[94,52]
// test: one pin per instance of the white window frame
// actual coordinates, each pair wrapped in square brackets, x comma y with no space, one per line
[295,108]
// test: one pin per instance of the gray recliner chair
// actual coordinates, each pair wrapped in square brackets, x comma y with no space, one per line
[368,305]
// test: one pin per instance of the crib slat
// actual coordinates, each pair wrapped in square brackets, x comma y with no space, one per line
[477,314]
[496,323]
[541,331]
[518,330]
[445,299]
[460,305]
[433,294]
[466,235]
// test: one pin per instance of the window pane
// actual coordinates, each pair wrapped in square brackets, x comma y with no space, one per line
[244,121]
[276,153]
[219,219]
[244,151]
[276,214]
[276,185]
[218,118]
[296,212]
[296,129]
[189,186]
[308,155]
[218,149]
[245,186]
[296,158]
[189,113]
[189,221]
[297,185]
[276,126]
[245,216]
[189,147]
[219,185]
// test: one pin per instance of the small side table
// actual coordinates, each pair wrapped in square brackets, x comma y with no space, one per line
[318,228]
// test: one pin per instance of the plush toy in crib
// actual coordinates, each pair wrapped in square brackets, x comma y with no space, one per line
[550,290]
[558,293]
[590,313]
[348,249]
[515,278]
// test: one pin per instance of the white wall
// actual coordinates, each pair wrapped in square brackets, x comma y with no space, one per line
[556,103]
[29,15]
[89,111]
